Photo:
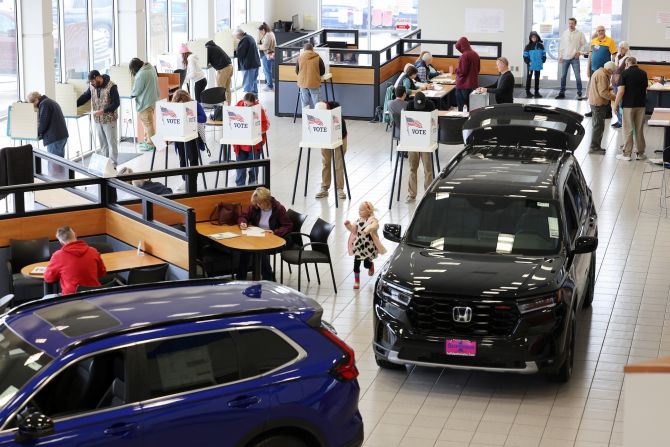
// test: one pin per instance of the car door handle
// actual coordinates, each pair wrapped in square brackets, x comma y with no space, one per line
[243,401]
[120,429]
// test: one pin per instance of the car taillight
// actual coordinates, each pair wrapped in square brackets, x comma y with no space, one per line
[345,369]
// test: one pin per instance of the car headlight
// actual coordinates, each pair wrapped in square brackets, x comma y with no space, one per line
[393,293]
[535,304]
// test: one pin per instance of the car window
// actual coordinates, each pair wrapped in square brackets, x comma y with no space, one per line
[19,362]
[577,191]
[190,362]
[6,25]
[266,349]
[91,384]
[570,216]
[486,224]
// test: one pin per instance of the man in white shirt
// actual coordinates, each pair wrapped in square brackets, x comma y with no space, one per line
[572,45]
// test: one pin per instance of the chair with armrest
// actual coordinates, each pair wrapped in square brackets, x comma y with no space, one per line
[146,275]
[22,253]
[293,239]
[316,251]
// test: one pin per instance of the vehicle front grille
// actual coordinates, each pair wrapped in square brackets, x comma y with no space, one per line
[434,316]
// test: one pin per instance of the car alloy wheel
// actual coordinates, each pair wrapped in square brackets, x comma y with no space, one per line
[564,373]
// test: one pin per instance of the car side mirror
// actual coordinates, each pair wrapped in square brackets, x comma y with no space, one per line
[34,426]
[585,244]
[392,232]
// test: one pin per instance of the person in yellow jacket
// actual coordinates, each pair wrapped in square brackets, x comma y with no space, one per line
[309,69]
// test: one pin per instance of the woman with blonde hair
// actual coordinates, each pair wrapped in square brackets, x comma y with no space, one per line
[267,213]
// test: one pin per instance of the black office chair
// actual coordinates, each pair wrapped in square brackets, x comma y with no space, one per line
[103,285]
[319,253]
[211,97]
[106,247]
[146,275]
[22,253]
[293,239]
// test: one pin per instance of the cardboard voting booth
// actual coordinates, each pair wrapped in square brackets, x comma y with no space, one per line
[23,121]
[169,62]
[120,75]
[225,40]
[177,121]
[418,131]
[241,125]
[67,95]
[322,128]
[197,47]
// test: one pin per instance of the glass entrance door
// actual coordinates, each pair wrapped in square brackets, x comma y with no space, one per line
[549,19]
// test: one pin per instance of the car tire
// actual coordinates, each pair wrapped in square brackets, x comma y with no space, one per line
[280,441]
[588,298]
[385,364]
[564,372]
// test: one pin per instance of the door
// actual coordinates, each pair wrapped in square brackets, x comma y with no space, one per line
[550,17]
[91,404]
[196,394]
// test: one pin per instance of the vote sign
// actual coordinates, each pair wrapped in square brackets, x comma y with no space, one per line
[241,125]
[418,131]
[177,121]
[321,128]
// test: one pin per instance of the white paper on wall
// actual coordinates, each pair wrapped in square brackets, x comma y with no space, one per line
[484,20]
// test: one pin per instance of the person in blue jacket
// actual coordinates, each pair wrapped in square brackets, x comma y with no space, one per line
[190,148]
[534,56]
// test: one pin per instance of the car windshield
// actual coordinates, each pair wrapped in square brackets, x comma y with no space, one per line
[478,224]
[19,362]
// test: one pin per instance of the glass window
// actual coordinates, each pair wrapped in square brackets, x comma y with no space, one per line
[19,362]
[179,25]
[222,15]
[478,224]
[265,348]
[103,34]
[577,191]
[8,61]
[570,216]
[55,19]
[75,39]
[158,32]
[189,363]
[239,12]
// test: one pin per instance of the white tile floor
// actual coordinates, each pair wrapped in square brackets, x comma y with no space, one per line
[629,321]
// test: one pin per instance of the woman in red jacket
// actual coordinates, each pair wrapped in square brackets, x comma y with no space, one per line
[267,213]
[243,153]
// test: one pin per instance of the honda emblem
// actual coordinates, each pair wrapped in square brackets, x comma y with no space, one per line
[462,314]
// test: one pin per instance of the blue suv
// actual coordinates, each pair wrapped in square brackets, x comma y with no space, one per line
[192,363]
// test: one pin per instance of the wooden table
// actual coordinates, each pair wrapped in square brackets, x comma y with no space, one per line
[257,246]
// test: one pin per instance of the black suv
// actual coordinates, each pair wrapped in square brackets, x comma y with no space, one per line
[499,255]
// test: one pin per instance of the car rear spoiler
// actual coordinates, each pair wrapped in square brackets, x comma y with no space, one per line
[526,125]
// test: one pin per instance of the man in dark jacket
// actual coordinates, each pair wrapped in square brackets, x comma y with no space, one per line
[221,62]
[467,73]
[504,88]
[248,61]
[52,128]
[105,104]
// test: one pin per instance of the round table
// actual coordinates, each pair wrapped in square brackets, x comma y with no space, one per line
[257,246]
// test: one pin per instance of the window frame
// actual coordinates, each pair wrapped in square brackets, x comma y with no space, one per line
[568,200]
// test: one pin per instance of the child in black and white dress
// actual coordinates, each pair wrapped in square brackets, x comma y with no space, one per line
[364,244]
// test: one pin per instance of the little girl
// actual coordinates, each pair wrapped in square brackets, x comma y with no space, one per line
[364,244]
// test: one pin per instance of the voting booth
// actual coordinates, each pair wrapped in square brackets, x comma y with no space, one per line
[23,121]
[177,121]
[418,131]
[321,128]
[67,95]
[241,125]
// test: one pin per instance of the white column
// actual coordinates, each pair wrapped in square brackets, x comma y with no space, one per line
[37,47]
[202,19]
[132,30]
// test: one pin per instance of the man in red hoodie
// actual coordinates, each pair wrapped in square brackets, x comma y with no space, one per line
[467,73]
[76,264]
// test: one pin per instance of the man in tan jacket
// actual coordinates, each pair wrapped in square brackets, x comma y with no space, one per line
[309,69]
[600,96]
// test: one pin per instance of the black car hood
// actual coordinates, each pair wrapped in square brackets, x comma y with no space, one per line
[528,125]
[492,276]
